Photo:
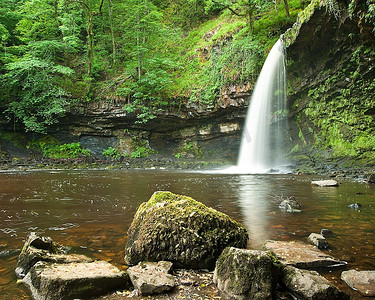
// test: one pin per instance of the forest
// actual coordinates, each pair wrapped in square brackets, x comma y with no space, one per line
[57,53]
[155,57]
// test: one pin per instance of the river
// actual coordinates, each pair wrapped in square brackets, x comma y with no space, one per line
[90,211]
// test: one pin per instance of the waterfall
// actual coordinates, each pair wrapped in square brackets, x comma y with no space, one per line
[262,138]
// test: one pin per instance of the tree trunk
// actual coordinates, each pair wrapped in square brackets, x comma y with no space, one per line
[286,6]
[112,32]
[90,44]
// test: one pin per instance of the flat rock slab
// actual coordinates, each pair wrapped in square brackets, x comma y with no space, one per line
[33,255]
[325,183]
[307,284]
[363,281]
[41,248]
[49,281]
[301,255]
[152,278]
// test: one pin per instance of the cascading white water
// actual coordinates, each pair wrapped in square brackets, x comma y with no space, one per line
[260,144]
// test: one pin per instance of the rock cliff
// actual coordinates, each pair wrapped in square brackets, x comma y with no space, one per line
[214,132]
[331,85]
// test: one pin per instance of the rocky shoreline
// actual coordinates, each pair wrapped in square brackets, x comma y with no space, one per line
[159,162]
[170,232]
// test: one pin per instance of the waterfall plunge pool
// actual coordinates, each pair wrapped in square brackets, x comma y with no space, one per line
[91,211]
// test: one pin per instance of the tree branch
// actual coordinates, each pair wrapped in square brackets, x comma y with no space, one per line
[229,8]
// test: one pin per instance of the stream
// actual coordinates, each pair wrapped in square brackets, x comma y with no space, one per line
[90,211]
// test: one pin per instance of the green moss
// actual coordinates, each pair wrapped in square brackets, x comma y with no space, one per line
[189,148]
[140,148]
[249,274]
[15,138]
[304,16]
[180,229]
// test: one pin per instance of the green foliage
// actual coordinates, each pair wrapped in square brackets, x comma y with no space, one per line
[230,54]
[141,148]
[150,92]
[340,114]
[34,92]
[237,62]
[364,8]
[141,151]
[52,148]
[111,152]
[152,54]
[189,149]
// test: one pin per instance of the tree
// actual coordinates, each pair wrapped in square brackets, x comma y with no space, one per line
[35,93]
[242,8]
[92,9]
[34,77]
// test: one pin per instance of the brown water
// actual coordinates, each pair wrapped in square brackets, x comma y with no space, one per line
[92,210]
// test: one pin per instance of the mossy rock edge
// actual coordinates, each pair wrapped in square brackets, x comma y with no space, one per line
[182,230]
[247,274]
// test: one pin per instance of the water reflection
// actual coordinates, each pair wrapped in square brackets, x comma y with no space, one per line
[92,210]
[253,196]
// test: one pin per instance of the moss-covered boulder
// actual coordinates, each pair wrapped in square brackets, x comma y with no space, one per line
[247,274]
[182,230]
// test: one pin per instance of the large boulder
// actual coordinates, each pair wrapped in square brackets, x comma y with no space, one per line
[301,255]
[152,278]
[181,230]
[40,248]
[246,274]
[362,281]
[305,284]
[50,281]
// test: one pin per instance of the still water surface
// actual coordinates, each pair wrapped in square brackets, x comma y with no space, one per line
[92,210]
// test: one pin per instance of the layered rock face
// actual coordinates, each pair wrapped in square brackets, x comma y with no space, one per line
[330,52]
[216,131]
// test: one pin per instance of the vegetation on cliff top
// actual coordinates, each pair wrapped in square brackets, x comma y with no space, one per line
[152,54]
[155,54]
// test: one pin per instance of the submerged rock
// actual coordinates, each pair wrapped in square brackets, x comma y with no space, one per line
[318,240]
[355,206]
[152,278]
[246,274]
[326,232]
[325,183]
[371,179]
[290,205]
[182,230]
[305,284]
[39,248]
[74,280]
[301,255]
[363,281]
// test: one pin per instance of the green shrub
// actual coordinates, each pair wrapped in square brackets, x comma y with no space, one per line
[141,148]
[52,148]
[142,152]
[190,148]
[111,152]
